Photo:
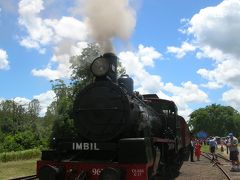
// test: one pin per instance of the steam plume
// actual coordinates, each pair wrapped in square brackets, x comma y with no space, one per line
[108,19]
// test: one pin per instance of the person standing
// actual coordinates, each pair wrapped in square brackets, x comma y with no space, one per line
[191,150]
[226,143]
[213,147]
[233,149]
[197,150]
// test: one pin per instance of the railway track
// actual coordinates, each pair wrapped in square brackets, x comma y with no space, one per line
[222,157]
[26,178]
[217,163]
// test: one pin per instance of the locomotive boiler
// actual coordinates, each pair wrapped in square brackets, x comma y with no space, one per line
[108,109]
[121,134]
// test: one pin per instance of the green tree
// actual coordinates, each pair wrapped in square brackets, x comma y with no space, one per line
[12,117]
[215,120]
[34,108]
[60,111]
[81,75]
[18,125]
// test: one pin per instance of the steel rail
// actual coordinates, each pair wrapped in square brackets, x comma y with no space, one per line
[31,177]
[216,163]
[222,157]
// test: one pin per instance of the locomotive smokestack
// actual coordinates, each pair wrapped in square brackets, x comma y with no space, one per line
[112,58]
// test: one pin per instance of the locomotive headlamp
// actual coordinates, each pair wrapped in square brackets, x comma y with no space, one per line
[100,66]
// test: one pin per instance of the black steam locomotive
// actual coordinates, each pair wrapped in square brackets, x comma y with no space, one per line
[121,135]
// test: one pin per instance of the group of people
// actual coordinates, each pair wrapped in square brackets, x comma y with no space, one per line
[231,144]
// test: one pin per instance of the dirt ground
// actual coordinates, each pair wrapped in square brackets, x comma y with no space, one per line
[204,170]
[199,170]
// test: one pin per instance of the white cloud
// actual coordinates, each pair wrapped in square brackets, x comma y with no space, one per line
[232,97]
[45,100]
[215,35]
[184,95]
[148,83]
[22,101]
[62,56]
[226,73]
[181,52]
[39,32]
[42,32]
[147,55]
[216,31]
[30,43]
[69,27]
[218,28]
[188,92]
[4,63]
[212,85]
[48,73]
[66,35]
[135,63]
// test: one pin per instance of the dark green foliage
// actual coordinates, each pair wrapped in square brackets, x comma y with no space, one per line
[19,126]
[61,111]
[216,120]
[81,75]
[20,141]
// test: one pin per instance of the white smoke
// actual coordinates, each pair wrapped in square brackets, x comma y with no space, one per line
[108,19]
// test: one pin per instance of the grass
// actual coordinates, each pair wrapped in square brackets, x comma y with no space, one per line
[20,155]
[15,169]
[205,148]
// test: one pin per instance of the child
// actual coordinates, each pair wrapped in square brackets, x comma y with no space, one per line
[197,150]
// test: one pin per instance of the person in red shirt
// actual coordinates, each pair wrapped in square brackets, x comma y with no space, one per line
[197,148]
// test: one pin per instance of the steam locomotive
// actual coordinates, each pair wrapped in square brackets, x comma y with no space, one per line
[121,134]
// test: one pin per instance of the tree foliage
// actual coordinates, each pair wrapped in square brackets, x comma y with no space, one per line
[81,75]
[216,120]
[60,111]
[19,126]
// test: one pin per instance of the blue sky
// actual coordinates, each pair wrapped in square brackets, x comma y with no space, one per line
[186,51]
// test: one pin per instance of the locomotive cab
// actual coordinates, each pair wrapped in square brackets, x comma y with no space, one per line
[167,110]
